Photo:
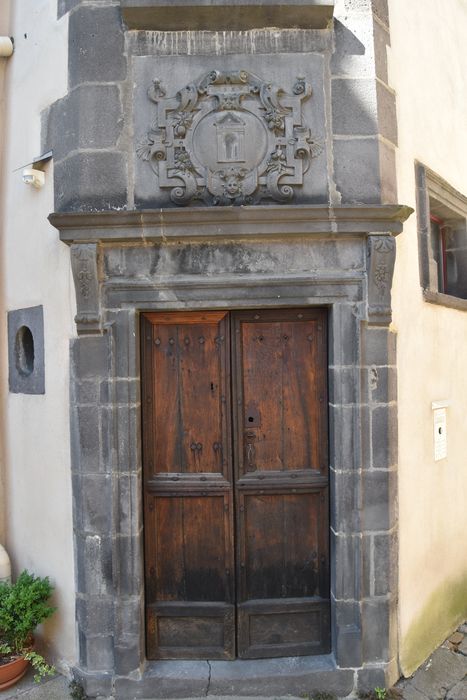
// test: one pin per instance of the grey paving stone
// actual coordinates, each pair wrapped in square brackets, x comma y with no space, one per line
[411,693]
[459,691]
[441,672]
[51,689]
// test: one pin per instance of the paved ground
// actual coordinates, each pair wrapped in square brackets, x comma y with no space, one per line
[442,677]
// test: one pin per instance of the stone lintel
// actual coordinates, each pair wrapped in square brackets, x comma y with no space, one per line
[237,15]
[203,223]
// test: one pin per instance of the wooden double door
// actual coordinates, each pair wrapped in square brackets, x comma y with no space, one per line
[235,461]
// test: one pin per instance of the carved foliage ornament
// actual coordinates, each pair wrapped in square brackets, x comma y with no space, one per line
[229,138]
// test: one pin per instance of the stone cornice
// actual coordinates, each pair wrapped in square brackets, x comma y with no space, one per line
[222,15]
[221,223]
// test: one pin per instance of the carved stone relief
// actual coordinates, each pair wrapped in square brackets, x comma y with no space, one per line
[85,275]
[382,256]
[229,138]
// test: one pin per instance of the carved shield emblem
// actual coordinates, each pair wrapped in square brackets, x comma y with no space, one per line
[229,138]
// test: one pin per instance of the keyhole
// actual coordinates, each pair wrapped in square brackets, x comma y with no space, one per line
[212,386]
[440,431]
[250,419]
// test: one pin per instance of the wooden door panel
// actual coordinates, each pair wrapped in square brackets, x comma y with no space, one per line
[189,556]
[281,486]
[190,394]
[187,551]
[202,631]
[283,545]
[281,385]
[273,628]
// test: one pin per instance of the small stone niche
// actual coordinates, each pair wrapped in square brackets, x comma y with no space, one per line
[26,351]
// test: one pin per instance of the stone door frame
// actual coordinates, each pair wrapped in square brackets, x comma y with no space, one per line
[106,444]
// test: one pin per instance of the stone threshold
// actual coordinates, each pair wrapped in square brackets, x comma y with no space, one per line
[259,677]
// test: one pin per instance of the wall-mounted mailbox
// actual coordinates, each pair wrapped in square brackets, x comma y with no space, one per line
[440,430]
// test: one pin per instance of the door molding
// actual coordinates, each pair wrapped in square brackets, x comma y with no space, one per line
[106,454]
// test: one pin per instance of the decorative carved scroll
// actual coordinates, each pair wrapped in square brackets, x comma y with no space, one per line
[382,256]
[229,138]
[84,267]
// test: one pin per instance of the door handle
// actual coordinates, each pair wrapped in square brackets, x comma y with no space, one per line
[250,438]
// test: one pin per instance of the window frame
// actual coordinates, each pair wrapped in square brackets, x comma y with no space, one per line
[429,184]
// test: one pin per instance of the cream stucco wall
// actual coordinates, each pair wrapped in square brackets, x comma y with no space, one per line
[35,270]
[428,69]
[4,28]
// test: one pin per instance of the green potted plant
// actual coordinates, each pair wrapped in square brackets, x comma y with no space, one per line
[23,606]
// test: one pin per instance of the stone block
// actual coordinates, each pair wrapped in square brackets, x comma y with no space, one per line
[344,437]
[354,106]
[225,15]
[347,634]
[353,55]
[165,679]
[125,332]
[120,391]
[95,503]
[385,563]
[130,563]
[128,497]
[343,335]
[26,361]
[107,447]
[85,393]
[381,40]
[378,629]
[89,117]
[379,385]
[387,116]
[282,69]
[128,655]
[388,174]
[90,358]
[345,500]
[345,574]
[379,507]
[365,437]
[378,347]
[95,615]
[357,170]
[90,181]
[128,445]
[64,6]
[129,618]
[272,677]
[343,385]
[381,10]
[384,436]
[85,439]
[96,46]
[94,684]
[367,588]
[97,653]
[94,565]
[381,675]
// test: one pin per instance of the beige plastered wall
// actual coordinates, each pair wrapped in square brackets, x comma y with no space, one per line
[36,522]
[428,69]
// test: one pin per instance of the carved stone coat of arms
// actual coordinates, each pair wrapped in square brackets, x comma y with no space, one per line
[229,138]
